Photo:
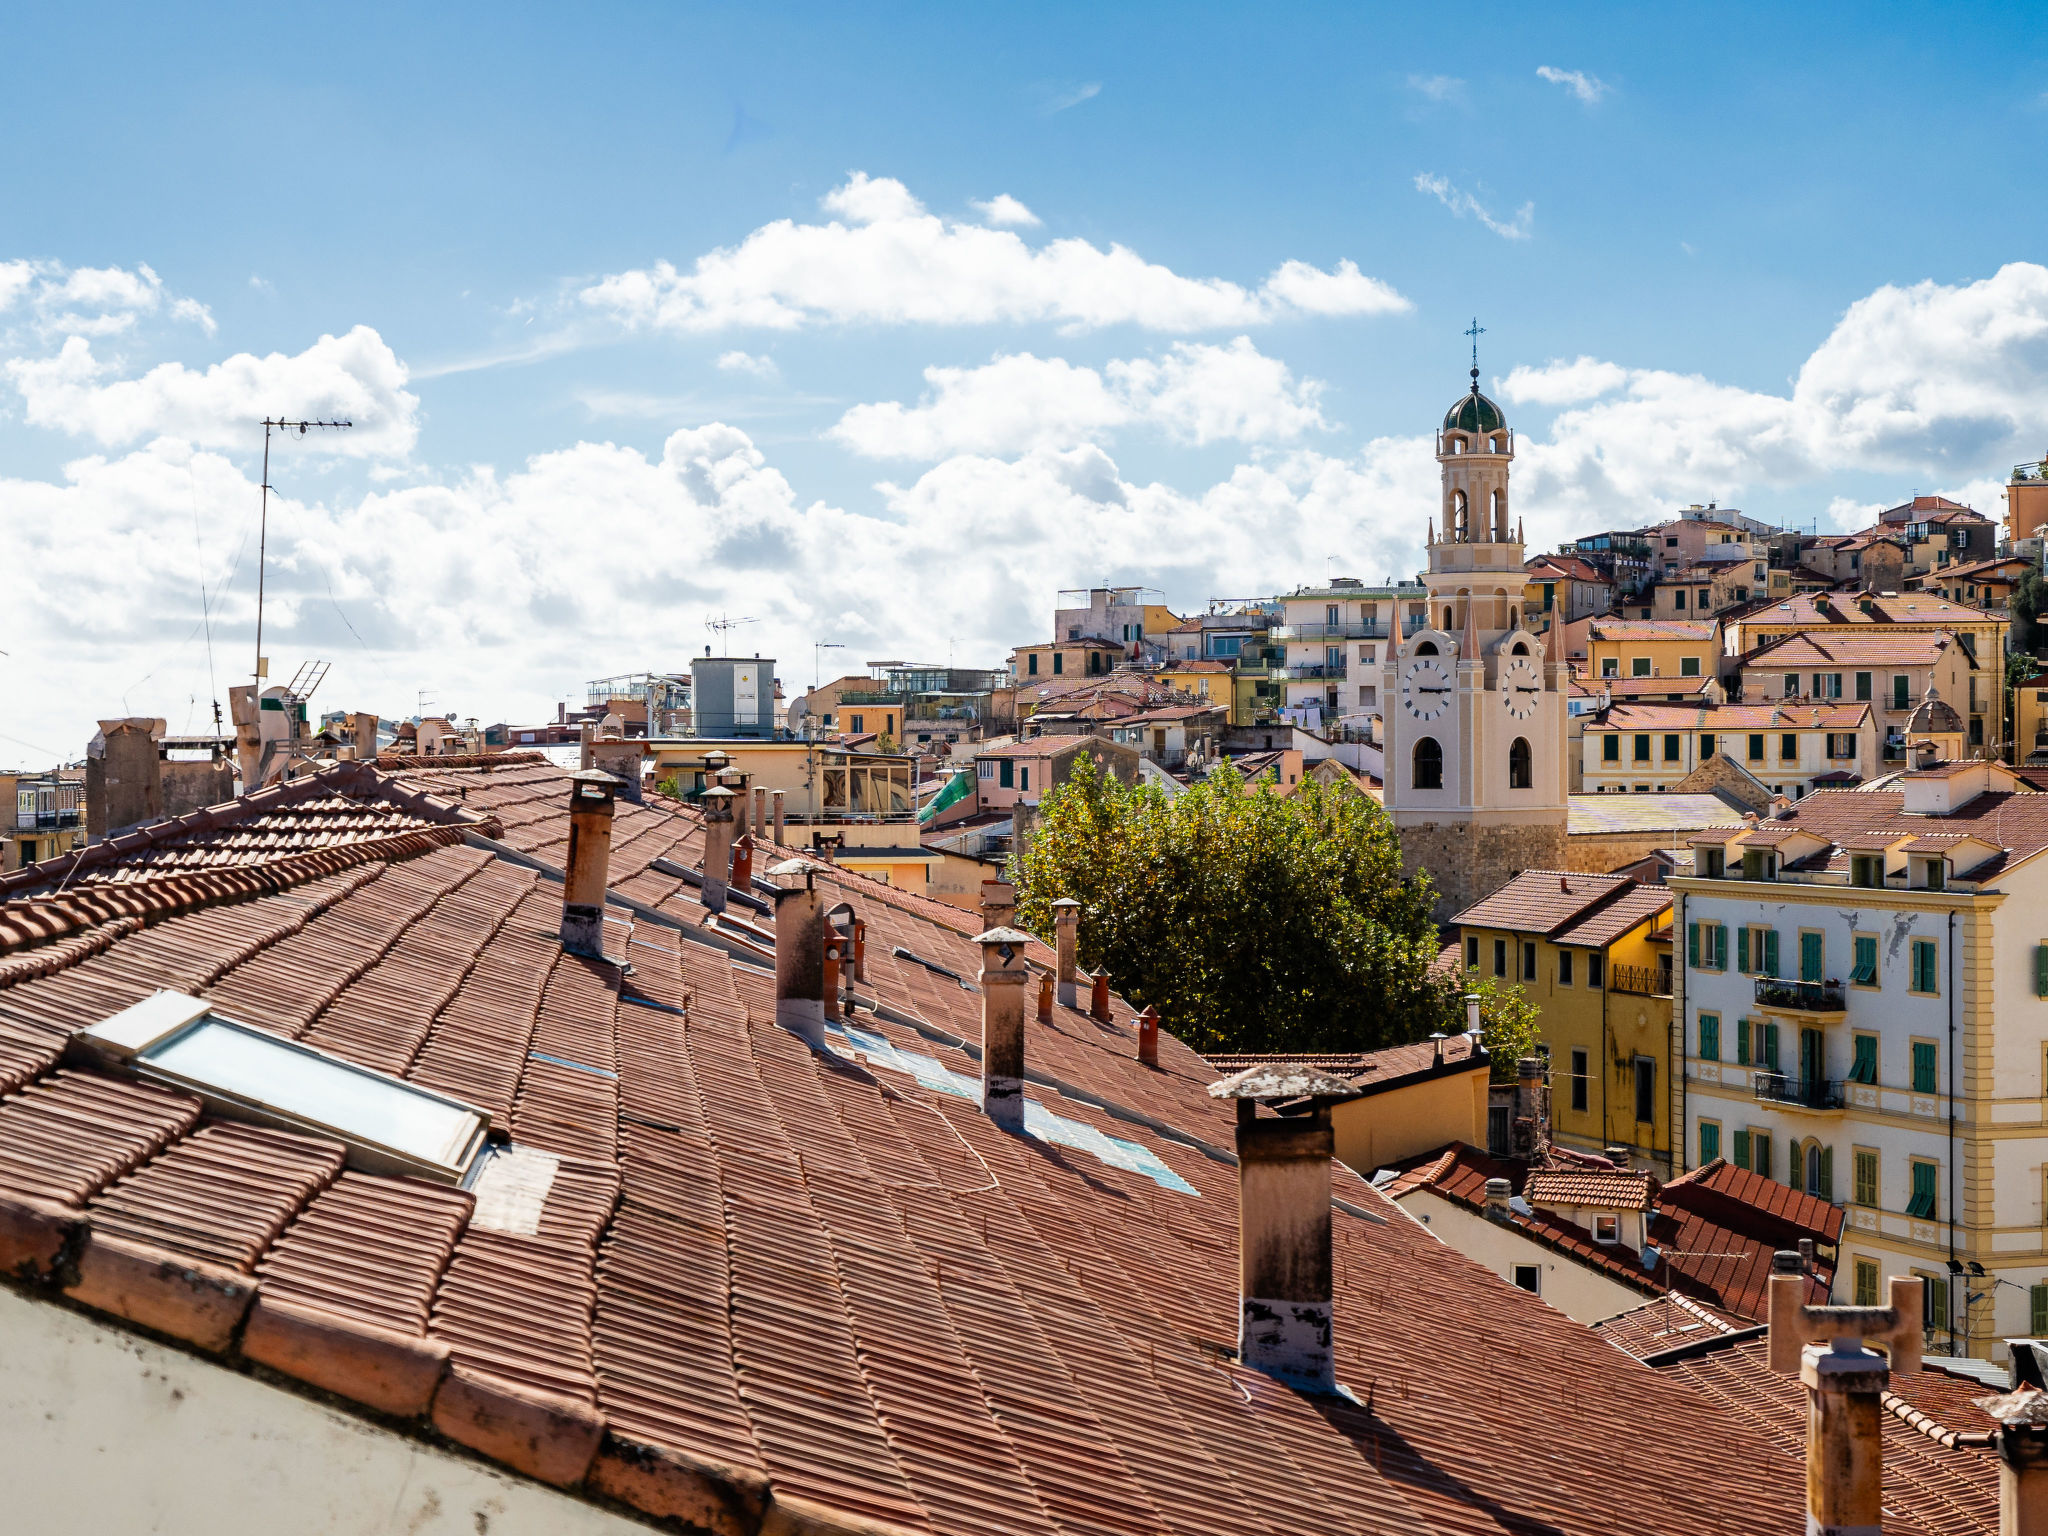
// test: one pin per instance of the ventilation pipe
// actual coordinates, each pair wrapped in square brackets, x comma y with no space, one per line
[743,861]
[717,805]
[1045,997]
[1002,978]
[1098,997]
[591,799]
[800,952]
[1148,1036]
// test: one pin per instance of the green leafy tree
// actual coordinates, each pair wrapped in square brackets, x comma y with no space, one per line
[1251,921]
[1508,1021]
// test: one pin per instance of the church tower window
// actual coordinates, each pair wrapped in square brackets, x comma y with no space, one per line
[1519,773]
[1429,764]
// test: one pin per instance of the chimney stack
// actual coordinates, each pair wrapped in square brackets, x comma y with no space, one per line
[1285,1267]
[1098,997]
[800,952]
[1045,997]
[743,861]
[717,803]
[998,903]
[1002,978]
[1532,1107]
[363,727]
[1148,1036]
[757,820]
[736,781]
[1473,1026]
[1066,931]
[591,797]
[1618,1156]
[124,777]
[1845,1384]
[2022,1442]
[1498,1193]
[775,798]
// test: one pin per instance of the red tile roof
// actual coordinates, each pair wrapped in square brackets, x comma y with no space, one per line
[1828,648]
[809,1273]
[1653,629]
[1921,609]
[1626,1190]
[1568,907]
[2015,821]
[1732,717]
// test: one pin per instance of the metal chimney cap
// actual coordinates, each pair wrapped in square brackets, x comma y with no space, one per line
[596,776]
[1283,1080]
[1066,903]
[719,793]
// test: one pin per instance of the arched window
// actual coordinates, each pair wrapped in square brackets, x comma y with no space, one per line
[1519,773]
[1429,764]
[1460,516]
[1426,648]
[1449,624]
[1497,509]
[1500,443]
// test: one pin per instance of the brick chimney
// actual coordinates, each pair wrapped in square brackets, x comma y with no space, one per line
[800,951]
[775,799]
[998,903]
[1098,997]
[757,819]
[1285,1269]
[591,798]
[717,803]
[1066,931]
[124,777]
[1002,978]
[362,727]
[1148,1036]
[736,781]
[1498,1193]
[1045,997]
[743,861]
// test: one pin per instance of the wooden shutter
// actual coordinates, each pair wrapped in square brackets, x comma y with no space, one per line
[1692,956]
[1770,955]
[1742,950]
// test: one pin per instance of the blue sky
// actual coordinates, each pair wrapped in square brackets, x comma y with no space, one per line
[1775,257]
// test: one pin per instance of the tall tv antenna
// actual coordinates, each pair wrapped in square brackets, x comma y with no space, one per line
[723,627]
[271,425]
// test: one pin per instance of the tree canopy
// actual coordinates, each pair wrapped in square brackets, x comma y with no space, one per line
[1252,921]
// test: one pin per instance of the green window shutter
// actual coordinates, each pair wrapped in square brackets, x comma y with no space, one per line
[1923,1066]
[1770,955]
[1710,1144]
[2037,1310]
[1760,1152]
[1720,946]
[1770,1047]
[1742,1149]
[2041,970]
[1865,1068]
[1692,952]
[1795,1170]
[1710,1037]
[1742,1046]
[1610,749]
[1866,960]
[1742,950]
[1826,1188]
[1922,1203]
[1866,1178]
[1809,957]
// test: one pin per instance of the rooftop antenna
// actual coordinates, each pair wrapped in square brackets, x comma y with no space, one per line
[271,425]
[723,627]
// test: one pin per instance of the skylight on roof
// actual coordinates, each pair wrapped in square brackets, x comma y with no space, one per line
[388,1125]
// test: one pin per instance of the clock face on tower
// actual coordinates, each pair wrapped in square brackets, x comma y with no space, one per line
[1425,687]
[1521,686]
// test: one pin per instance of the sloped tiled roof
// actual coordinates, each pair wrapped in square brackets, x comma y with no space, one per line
[1624,1189]
[1652,629]
[1823,648]
[1373,1071]
[828,1277]
[1567,906]
[1670,1322]
[1922,609]
[1788,716]
[1588,815]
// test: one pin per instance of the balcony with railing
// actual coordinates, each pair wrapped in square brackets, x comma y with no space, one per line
[45,821]
[1640,980]
[1800,996]
[1370,629]
[2038,471]
[1306,671]
[1796,1091]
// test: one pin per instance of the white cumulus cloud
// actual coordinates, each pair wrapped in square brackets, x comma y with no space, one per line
[1194,393]
[354,377]
[92,301]
[1005,209]
[1588,88]
[1561,383]
[885,259]
[1460,202]
[745,362]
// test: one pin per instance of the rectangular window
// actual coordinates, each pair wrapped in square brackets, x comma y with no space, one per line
[1639,666]
[1923,1202]
[1902,687]
[1642,748]
[1671,749]
[1788,748]
[1866,1177]
[1791,685]
[1032,667]
[1863,1068]
[1710,1037]
[1742,1149]
[1006,773]
[1564,967]
[1925,977]
[1706,747]
[1596,970]
[1863,687]
[2037,1311]
[1710,1140]
[1471,952]
[1866,870]
[1499,1125]
[1606,1229]
[1526,1276]
[1528,962]
[1769,1053]
[1864,972]
[1688,666]
[1610,749]
[1924,1066]
[1809,956]
[2041,970]
[1059,663]
[1760,1152]
[1579,1081]
[1500,957]
[1934,1306]
[1866,1282]
[1742,1046]
[1756,749]
[857,723]
[1610,666]
[1678,598]
[1024,776]
[1646,1090]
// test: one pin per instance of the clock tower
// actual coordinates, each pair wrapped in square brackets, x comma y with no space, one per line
[1474,710]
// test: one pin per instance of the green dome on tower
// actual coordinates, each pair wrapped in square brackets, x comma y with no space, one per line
[1473,412]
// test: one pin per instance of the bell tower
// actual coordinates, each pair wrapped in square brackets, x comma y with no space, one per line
[1474,703]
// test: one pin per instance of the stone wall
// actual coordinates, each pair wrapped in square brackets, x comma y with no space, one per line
[1468,862]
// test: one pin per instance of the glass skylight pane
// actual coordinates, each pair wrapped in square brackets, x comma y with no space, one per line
[269,1073]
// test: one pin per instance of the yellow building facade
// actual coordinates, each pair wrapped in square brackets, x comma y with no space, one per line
[1593,954]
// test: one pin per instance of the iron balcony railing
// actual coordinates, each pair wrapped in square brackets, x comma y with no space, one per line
[1370,630]
[870,696]
[1806,996]
[1806,1092]
[2031,471]
[1641,980]
[1306,671]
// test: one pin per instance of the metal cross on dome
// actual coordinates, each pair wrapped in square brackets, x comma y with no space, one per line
[1475,332]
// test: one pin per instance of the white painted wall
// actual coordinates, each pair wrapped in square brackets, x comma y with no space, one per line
[1575,1289]
[105,1432]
